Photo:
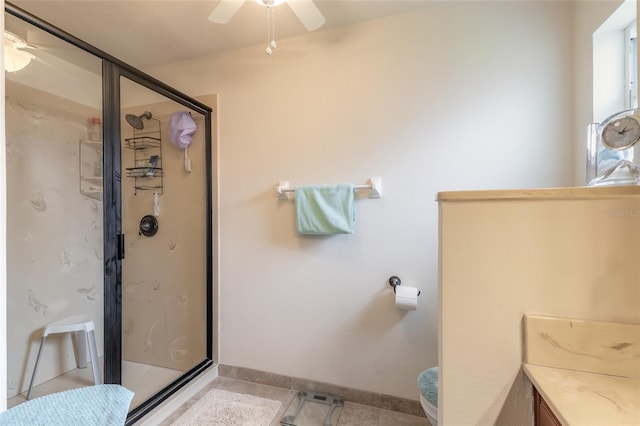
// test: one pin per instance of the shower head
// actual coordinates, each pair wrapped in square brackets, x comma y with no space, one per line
[136,120]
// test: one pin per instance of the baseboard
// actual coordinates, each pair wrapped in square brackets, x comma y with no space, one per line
[357,396]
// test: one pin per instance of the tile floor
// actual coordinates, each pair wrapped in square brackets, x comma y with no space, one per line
[351,415]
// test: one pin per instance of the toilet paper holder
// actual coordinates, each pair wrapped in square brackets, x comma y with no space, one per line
[395,281]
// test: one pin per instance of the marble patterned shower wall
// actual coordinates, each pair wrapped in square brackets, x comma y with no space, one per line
[164,276]
[54,234]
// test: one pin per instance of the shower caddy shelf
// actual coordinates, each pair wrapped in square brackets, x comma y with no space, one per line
[91,181]
[147,157]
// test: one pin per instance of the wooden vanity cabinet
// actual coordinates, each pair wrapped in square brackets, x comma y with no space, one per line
[542,414]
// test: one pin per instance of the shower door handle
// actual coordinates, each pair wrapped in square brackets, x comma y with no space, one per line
[120,246]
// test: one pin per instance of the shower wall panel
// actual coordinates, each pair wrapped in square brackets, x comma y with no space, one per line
[54,234]
[164,276]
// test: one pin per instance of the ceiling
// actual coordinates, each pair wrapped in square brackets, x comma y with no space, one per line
[146,33]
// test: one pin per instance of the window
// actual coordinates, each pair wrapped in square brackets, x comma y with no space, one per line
[631,65]
[615,85]
[613,67]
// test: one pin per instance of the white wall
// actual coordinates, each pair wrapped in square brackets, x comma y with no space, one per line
[3,239]
[460,95]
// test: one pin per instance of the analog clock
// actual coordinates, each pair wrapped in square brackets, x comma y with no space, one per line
[621,133]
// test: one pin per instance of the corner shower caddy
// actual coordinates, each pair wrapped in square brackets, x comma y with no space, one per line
[90,159]
[147,157]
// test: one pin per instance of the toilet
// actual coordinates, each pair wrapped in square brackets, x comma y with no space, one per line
[428,385]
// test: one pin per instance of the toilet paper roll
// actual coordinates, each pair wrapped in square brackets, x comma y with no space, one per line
[406,298]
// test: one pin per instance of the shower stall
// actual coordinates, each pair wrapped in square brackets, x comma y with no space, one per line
[109,216]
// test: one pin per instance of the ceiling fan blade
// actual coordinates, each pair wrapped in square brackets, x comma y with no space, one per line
[225,10]
[308,13]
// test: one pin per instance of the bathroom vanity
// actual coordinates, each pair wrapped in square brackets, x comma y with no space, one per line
[576,398]
[542,413]
[569,252]
[583,372]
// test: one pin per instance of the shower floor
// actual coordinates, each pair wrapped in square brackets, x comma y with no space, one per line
[142,379]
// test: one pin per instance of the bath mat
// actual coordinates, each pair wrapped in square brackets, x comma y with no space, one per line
[90,405]
[221,408]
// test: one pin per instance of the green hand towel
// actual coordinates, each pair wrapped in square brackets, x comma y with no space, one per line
[325,209]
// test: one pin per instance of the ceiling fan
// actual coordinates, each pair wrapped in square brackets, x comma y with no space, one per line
[15,58]
[305,10]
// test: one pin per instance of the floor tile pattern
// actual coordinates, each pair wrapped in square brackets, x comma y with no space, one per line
[387,402]
[352,414]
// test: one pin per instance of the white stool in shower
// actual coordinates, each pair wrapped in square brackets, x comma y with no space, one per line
[85,333]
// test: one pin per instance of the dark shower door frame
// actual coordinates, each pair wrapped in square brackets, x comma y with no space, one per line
[115,240]
[112,70]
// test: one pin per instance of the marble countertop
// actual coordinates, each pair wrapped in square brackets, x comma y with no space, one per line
[587,371]
[575,193]
[579,398]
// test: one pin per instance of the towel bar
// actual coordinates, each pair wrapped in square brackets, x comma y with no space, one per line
[374,184]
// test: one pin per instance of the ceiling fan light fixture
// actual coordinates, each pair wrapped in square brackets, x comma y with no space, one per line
[14,58]
[305,10]
[17,41]
[269,3]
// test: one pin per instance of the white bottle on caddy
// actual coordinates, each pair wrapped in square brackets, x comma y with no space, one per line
[95,134]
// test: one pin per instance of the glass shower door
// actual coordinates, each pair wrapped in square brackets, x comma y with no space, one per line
[164,222]
[111,223]
[55,266]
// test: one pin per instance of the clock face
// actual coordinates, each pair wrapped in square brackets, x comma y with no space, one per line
[621,133]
